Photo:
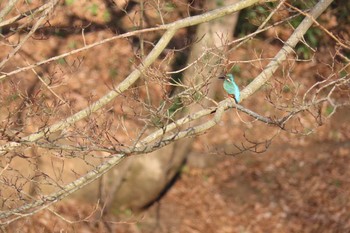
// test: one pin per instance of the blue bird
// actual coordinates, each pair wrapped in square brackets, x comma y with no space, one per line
[231,87]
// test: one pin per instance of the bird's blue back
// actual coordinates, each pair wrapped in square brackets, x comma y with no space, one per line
[231,87]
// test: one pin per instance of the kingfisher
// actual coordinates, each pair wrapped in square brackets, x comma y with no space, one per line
[231,87]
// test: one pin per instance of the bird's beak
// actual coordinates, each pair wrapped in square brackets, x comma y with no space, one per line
[222,77]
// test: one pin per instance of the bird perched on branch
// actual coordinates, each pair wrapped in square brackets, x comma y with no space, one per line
[231,87]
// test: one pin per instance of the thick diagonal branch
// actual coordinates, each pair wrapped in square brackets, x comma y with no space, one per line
[134,76]
[281,56]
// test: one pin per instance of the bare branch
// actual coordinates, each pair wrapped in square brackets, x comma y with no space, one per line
[287,49]
[7,9]
[133,77]
[53,3]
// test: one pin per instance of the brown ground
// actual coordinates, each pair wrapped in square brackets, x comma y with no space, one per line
[288,188]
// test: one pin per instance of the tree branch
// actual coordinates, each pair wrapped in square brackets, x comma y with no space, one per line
[7,9]
[132,78]
[143,145]
[281,56]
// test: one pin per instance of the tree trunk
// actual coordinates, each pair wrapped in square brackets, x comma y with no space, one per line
[140,180]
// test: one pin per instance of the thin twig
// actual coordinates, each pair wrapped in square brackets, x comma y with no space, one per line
[319,25]
[30,33]
[28,13]
[8,7]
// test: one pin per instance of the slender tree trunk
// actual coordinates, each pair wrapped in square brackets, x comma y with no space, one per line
[140,180]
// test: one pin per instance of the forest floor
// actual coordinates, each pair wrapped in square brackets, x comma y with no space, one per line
[288,188]
[299,184]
